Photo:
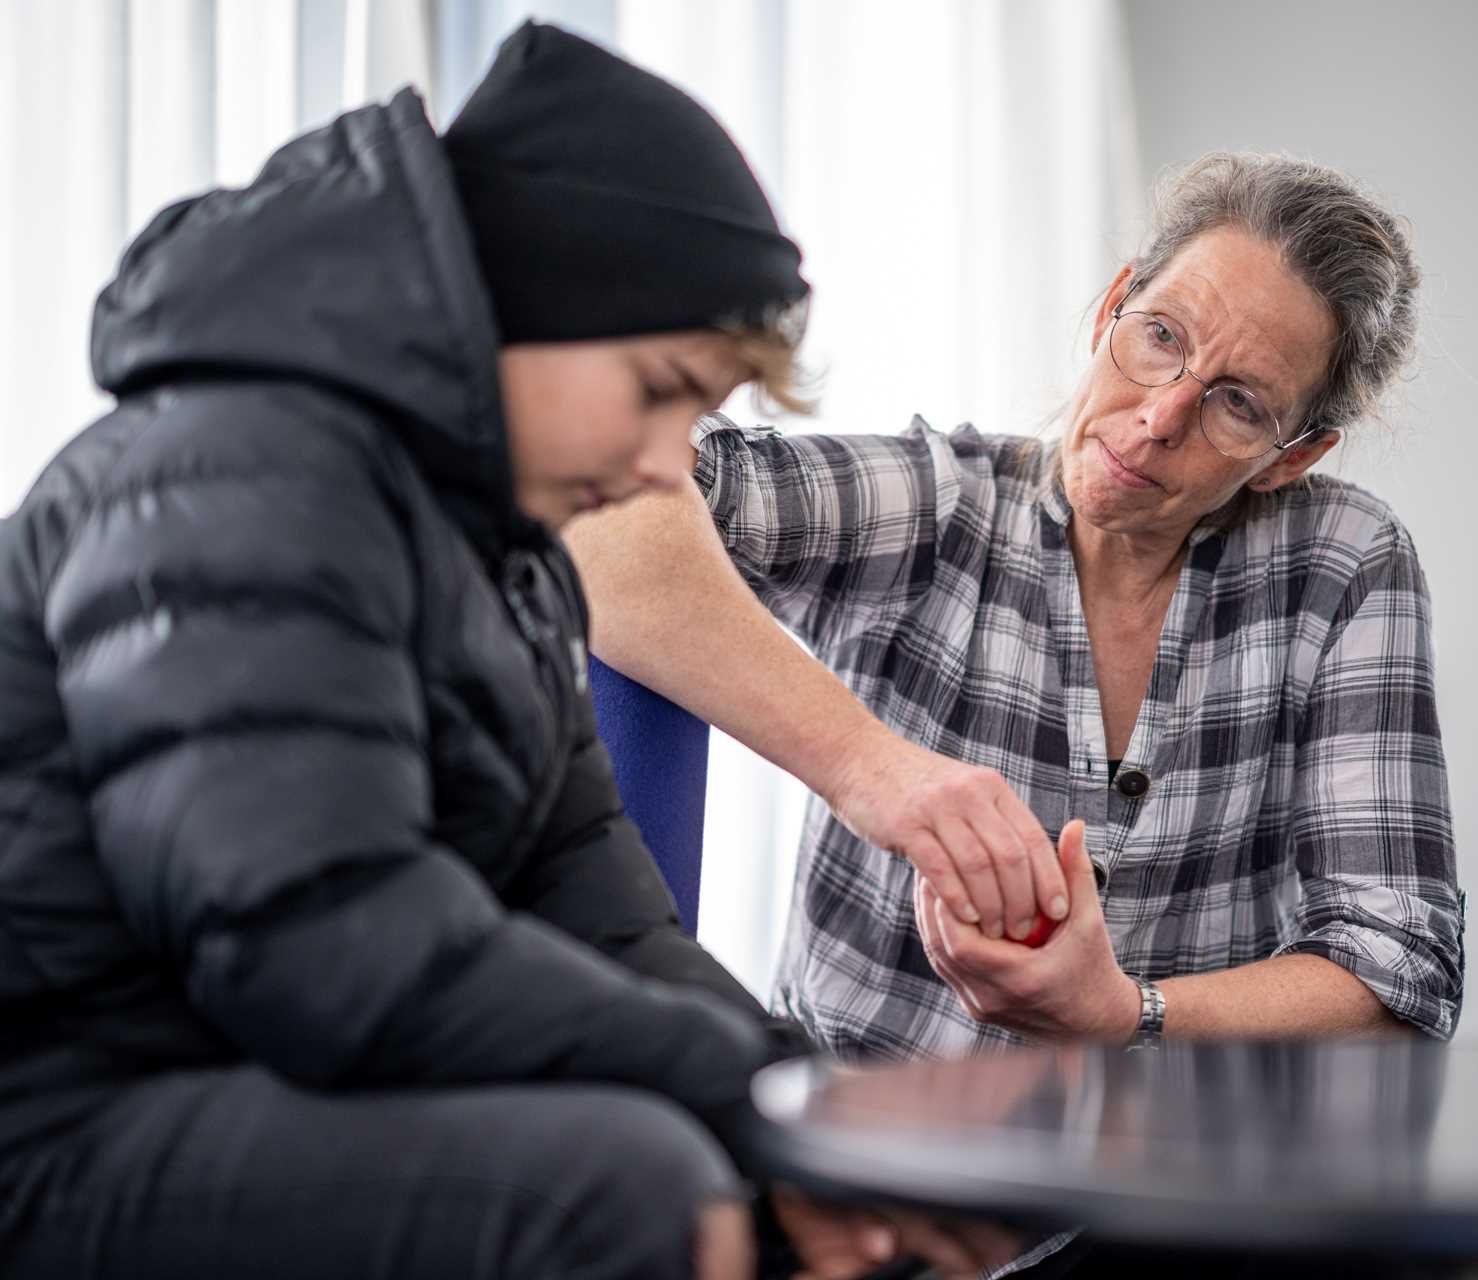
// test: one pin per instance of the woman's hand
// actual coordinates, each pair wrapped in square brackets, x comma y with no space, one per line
[1070,988]
[838,1244]
[965,831]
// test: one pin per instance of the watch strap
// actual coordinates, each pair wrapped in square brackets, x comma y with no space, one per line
[1151,1029]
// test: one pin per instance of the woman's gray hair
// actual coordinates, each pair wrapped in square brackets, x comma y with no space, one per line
[1331,234]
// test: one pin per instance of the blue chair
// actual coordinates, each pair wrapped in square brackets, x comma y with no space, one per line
[660,754]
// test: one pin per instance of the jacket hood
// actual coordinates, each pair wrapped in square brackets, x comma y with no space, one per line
[347,262]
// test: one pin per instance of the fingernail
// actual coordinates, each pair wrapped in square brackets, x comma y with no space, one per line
[1021,928]
[994,930]
[1057,908]
[880,1243]
[971,915]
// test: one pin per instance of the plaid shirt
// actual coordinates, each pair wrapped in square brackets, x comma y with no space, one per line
[1298,799]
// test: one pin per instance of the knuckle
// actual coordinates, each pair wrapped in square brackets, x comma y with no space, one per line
[974,862]
[970,792]
[1012,857]
[925,856]
[948,796]
[930,866]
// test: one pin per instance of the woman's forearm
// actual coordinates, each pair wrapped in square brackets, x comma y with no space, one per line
[669,610]
[1290,995]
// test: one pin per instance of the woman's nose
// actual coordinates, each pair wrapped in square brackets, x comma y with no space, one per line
[1168,412]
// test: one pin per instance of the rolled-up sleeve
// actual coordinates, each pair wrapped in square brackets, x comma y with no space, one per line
[829,531]
[1373,824]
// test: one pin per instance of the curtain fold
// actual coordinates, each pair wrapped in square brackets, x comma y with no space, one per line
[63,120]
[110,109]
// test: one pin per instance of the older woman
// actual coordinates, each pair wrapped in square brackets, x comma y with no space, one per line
[1163,625]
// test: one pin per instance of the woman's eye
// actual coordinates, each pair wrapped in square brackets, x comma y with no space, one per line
[1161,334]
[1240,403]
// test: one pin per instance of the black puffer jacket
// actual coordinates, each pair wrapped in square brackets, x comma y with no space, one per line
[299,766]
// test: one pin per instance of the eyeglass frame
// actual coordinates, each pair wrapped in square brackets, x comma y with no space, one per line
[1119,313]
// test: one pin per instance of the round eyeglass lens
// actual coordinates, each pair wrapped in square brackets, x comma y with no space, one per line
[1237,423]
[1145,350]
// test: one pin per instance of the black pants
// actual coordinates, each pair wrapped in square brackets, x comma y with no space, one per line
[235,1174]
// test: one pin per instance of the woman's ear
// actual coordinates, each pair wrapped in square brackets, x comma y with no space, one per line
[1111,299]
[1291,465]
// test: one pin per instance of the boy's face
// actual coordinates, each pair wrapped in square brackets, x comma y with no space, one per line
[596,422]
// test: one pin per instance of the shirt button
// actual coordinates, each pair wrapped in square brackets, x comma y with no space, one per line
[1132,782]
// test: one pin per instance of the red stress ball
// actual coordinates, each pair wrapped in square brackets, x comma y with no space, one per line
[1042,928]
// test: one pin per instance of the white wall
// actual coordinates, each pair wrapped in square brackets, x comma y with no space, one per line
[1386,92]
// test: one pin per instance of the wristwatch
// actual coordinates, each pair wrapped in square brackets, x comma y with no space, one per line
[1151,1029]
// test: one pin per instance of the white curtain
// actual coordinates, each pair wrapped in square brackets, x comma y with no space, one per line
[110,109]
[961,174]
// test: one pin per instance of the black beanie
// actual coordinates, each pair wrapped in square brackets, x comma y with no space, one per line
[604,202]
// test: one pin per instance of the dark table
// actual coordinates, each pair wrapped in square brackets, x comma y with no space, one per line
[1367,1148]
